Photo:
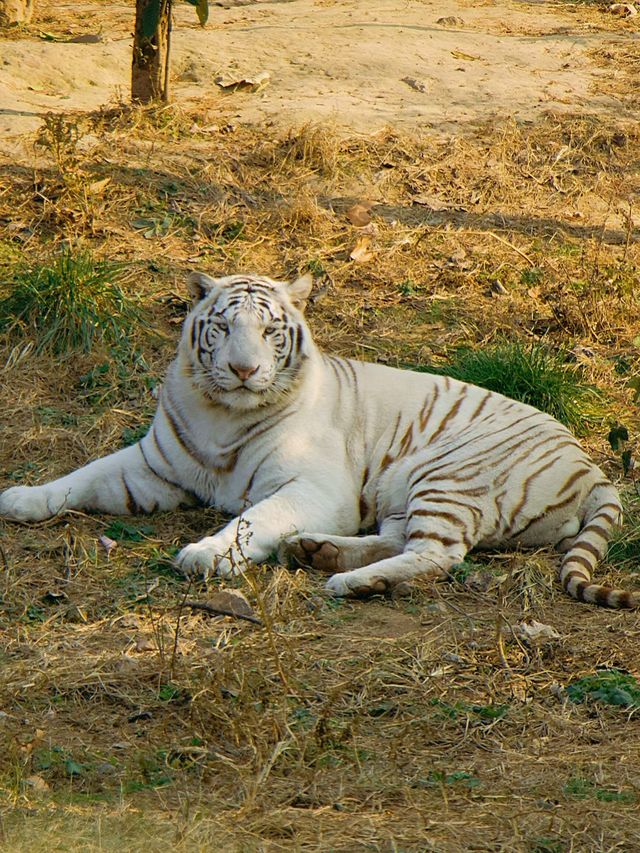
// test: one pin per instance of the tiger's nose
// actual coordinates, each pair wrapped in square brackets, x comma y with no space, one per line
[242,372]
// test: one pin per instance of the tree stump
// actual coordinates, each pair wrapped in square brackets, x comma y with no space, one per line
[151,43]
[16,11]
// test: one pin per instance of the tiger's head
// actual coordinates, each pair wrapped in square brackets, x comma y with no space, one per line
[245,339]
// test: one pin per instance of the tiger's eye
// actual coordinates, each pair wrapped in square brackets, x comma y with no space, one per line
[270,330]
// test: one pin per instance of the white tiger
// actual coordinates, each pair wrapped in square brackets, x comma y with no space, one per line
[306,449]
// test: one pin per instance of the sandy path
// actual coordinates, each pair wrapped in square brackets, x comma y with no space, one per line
[349,61]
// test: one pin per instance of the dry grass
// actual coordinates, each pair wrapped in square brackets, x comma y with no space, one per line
[425,724]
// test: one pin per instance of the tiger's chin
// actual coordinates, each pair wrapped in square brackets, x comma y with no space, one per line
[245,399]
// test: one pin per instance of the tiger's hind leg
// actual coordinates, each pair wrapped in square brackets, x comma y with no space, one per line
[332,554]
[435,541]
[383,575]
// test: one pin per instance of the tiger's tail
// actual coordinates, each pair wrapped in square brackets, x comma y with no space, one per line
[590,546]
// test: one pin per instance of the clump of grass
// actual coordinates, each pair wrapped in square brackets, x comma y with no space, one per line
[579,788]
[482,713]
[71,303]
[313,147]
[609,686]
[624,548]
[535,375]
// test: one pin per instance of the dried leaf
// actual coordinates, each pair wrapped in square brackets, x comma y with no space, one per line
[107,543]
[98,186]
[498,288]
[430,201]
[360,214]
[624,10]
[231,601]
[361,252]
[450,21]
[418,85]
[519,689]
[536,632]
[255,83]
[618,435]
[459,54]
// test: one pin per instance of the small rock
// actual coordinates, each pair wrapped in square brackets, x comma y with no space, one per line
[479,581]
[37,783]
[451,657]
[87,38]
[145,644]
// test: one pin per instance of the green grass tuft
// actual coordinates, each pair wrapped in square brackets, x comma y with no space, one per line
[624,548]
[609,686]
[71,303]
[579,788]
[535,375]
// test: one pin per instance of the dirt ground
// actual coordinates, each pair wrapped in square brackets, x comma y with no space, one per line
[424,64]
[497,156]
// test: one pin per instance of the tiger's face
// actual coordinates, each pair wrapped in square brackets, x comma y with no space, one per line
[246,339]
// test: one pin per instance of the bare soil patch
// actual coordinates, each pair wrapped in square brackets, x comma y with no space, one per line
[360,65]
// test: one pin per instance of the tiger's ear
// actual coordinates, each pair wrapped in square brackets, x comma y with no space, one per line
[200,285]
[299,290]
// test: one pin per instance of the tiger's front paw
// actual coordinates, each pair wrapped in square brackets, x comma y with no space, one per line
[358,584]
[27,503]
[203,558]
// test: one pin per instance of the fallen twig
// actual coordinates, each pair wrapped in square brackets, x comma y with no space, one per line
[219,611]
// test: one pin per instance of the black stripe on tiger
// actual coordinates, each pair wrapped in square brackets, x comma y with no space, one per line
[423,535]
[133,508]
[450,415]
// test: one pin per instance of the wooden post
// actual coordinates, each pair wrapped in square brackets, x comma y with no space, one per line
[151,42]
